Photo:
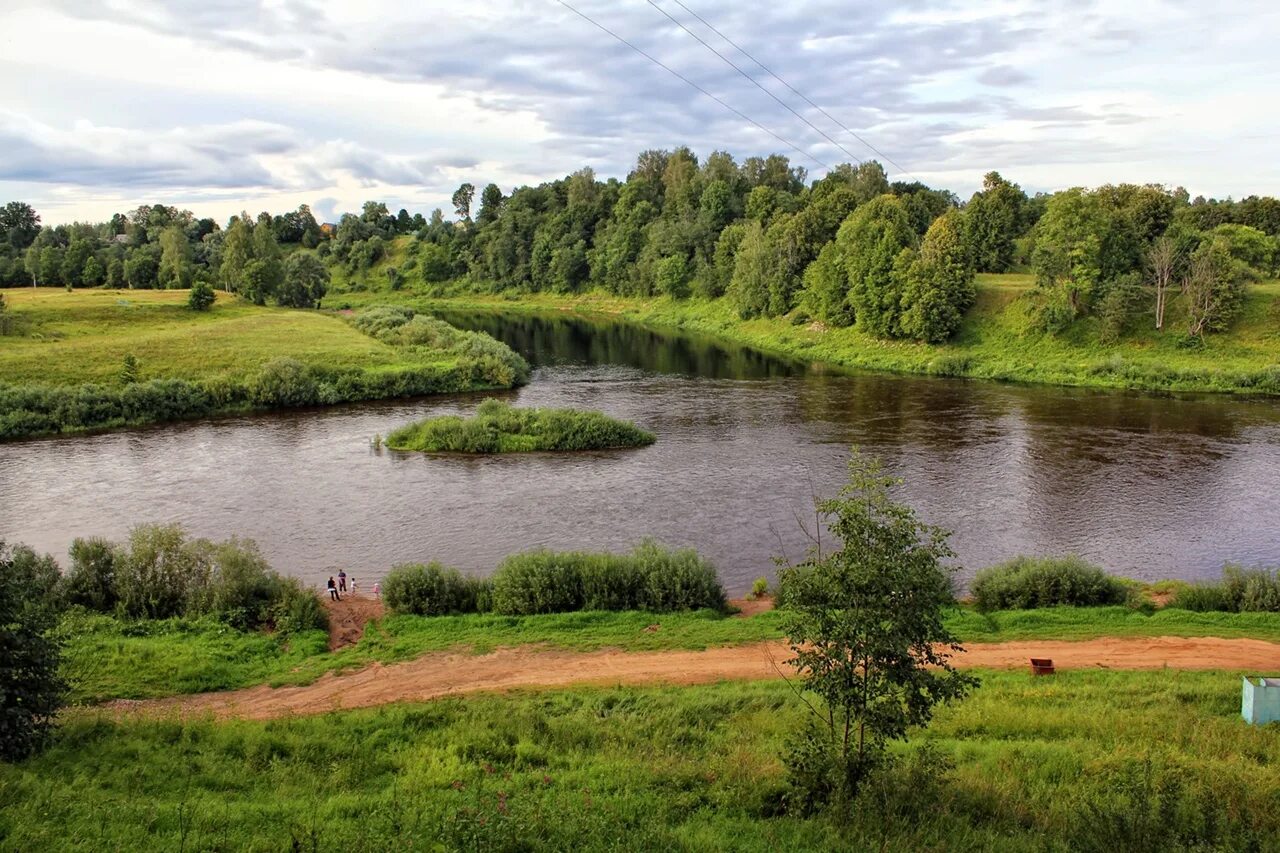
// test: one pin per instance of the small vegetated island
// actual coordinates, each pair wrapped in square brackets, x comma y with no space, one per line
[499,427]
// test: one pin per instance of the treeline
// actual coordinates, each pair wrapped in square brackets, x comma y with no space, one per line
[894,259]
[157,246]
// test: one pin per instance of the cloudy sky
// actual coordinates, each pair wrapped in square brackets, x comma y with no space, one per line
[223,105]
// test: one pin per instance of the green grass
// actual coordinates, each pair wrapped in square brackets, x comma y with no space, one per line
[82,337]
[499,427]
[1081,761]
[108,659]
[997,340]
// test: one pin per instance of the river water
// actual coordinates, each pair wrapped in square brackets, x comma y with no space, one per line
[1148,486]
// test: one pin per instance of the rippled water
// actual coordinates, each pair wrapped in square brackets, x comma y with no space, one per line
[1149,486]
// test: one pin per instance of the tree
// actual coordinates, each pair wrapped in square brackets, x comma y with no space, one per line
[462,197]
[237,252]
[306,279]
[993,220]
[1214,288]
[866,632]
[870,241]
[201,297]
[31,690]
[491,202]
[754,267]
[269,274]
[19,224]
[1162,259]
[174,272]
[74,259]
[671,276]
[142,266]
[94,273]
[115,274]
[939,286]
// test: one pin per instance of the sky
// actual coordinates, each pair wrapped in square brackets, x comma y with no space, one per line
[220,106]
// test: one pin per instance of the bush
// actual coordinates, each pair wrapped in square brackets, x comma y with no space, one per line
[760,588]
[1027,582]
[649,578]
[284,382]
[296,608]
[430,590]
[201,297]
[31,690]
[1240,591]
[498,427]
[91,583]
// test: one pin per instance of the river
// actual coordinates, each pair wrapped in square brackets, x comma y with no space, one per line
[1147,486]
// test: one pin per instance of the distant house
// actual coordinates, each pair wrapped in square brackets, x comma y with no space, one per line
[121,239]
[329,229]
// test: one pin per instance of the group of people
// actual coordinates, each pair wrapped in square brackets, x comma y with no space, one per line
[337,588]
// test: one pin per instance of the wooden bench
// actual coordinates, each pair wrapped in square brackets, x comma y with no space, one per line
[1041,666]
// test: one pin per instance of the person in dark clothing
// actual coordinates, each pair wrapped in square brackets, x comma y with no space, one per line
[333,591]
[342,580]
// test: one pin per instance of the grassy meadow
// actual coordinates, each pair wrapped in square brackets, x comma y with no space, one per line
[1083,761]
[81,337]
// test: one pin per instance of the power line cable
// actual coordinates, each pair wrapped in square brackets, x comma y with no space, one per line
[753,81]
[686,80]
[802,95]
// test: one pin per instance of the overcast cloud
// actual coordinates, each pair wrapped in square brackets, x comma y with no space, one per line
[220,105]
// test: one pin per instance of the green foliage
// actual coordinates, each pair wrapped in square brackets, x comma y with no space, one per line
[498,427]
[202,296]
[31,688]
[759,588]
[993,220]
[431,590]
[305,282]
[1030,582]
[865,626]
[129,369]
[754,268]
[284,382]
[1240,591]
[649,578]
[938,285]
[870,243]
[91,583]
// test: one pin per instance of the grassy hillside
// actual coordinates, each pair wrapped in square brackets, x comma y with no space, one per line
[73,338]
[1082,761]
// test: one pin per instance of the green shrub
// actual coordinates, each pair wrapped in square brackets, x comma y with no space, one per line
[91,583]
[296,608]
[649,578]
[284,382]
[1240,591]
[430,590]
[498,427]
[201,297]
[760,588]
[538,582]
[31,689]
[1028,582]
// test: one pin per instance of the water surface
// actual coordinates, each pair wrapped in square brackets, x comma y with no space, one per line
[1148,486]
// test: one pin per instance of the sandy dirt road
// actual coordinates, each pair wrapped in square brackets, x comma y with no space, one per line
[454,673]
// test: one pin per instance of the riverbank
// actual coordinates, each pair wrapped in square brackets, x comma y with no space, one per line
[94,359]
[996,341]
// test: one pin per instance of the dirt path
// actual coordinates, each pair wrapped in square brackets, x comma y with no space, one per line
[449,673]
[348,617]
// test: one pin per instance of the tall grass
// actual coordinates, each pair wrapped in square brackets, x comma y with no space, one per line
[1083,761]
[650,578]
[1030,582]
[498,427]
[1240,591]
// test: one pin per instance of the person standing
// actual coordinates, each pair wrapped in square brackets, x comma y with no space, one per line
[333,590]
[342,580]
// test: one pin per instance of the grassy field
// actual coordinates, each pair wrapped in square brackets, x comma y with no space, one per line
[108,659]
[1082,761]
[75,338]
[997,339]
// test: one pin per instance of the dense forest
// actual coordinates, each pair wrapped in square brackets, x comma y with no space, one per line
[897,260]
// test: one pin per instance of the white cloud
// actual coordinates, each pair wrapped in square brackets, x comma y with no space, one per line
[223,104]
